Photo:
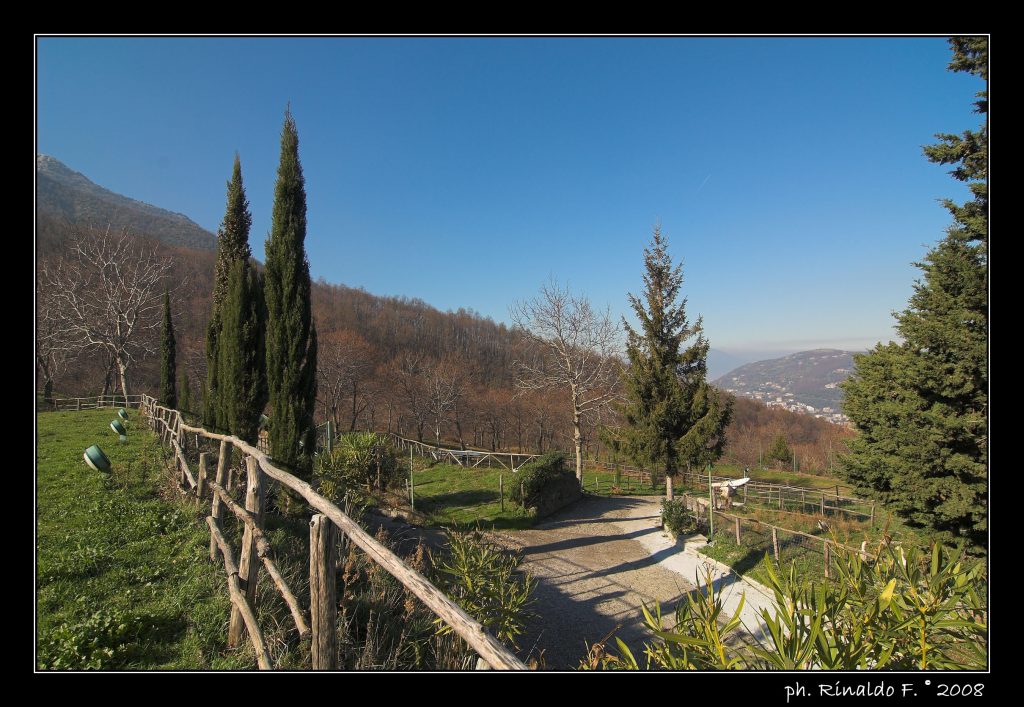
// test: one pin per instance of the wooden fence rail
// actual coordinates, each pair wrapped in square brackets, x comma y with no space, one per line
[700,504]
[97,401]
[782,497]
[174,432]
[463,457]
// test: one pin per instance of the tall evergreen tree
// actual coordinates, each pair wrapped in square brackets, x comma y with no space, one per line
[184,392]
[921,406]
[779,451]
[672,415]
[168,369]
[232,246]
[242,346]
[291,333]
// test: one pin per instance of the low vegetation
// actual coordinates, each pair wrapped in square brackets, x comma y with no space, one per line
[905,610]
[123,576]
[124,579]
[461,498]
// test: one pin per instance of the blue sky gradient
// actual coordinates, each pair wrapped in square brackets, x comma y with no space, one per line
[787,173]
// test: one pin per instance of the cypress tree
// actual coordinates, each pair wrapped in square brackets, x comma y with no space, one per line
[243,377]
[232,246]
[672,415]
[184,392]
[291,334]
[168,370]
[920,407]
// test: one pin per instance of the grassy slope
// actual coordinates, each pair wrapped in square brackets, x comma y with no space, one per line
[124,579]
[459,497]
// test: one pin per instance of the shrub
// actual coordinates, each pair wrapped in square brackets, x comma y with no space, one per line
[677,517]
[360,462]
[536,476]
[900,611]
[481,578]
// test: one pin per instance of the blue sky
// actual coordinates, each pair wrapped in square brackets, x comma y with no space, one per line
[786,172]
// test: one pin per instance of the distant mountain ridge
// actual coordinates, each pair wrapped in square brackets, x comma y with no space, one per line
[807,381]
[65,195]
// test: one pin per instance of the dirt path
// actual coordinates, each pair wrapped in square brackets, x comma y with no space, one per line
[593,575]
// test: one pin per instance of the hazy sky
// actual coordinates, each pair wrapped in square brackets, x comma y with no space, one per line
[786,172]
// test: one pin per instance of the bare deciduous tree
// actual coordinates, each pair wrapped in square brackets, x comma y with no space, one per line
[571,347]
[345,368]
[50,353]
[107,293]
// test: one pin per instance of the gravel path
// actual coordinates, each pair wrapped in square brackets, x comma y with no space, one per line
[593,575]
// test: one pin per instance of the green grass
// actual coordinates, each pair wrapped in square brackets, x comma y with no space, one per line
[602,483]
[123,576]
[463,498]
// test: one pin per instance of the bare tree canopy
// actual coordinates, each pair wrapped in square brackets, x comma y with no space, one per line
[571,347]
[107,293]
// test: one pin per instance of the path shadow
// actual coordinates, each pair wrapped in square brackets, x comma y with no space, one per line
[584,541]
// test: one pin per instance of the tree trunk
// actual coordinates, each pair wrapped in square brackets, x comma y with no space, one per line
[122,370]
[577,438]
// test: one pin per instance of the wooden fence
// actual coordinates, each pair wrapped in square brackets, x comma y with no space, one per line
[793,498]
[785,544]
[471,458]
[96,402]
[242,575]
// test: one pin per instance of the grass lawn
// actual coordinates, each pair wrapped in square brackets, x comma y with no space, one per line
[603,483]
[462,498]
[123,576]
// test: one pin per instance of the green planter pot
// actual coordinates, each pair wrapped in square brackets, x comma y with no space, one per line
[123,414]
[96,459]
[118,427]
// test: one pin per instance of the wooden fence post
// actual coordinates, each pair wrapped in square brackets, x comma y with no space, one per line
[668,488]
[323,607]
[872,515]
[204,462]
[827,560]
[79,402]
[217,510]
[248,564]
[775,542]
[737,521]
[501,490]
[822,504]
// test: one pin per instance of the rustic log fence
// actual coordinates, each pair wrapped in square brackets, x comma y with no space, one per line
[330,520]
[97,401]
[780,497]
[784,544]
[471,458]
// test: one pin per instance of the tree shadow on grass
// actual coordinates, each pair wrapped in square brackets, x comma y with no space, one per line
[460,499]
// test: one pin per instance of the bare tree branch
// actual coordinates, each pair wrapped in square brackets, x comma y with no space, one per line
[106,294]
[571,347]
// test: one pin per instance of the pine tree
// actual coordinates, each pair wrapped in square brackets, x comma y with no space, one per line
[672,415]
[291,334]
[168,369]
[921,406]
[242,345]
[232,246]
[779,451]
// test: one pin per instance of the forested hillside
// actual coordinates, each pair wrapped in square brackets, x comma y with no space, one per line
[398,364]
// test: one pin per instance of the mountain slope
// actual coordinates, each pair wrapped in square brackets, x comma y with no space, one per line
[807,378]
[66,196]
